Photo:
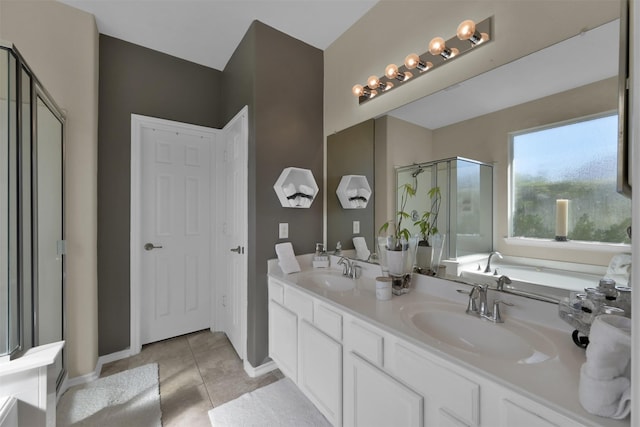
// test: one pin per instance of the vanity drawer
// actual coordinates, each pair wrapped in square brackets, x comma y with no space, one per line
[299,303]
[365,342]
[453,399]
[328,321]
[276,291]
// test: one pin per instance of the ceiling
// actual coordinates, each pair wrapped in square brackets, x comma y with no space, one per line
[208,31]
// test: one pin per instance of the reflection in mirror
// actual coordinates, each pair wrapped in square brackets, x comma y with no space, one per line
[465,217]
[350,152]
[474,118]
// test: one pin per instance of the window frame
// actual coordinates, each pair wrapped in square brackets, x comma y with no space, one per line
[550,243]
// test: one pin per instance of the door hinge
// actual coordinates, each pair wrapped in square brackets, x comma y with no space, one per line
[61,247]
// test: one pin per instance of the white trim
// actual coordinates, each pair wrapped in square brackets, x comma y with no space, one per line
[243,114]
[67,383]
[265,368]
[137,123]
[613,248]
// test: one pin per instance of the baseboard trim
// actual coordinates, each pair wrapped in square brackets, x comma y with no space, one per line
[67,383]
[265,368]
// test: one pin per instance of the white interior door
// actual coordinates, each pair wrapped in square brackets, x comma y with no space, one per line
[233,296]
[175,224]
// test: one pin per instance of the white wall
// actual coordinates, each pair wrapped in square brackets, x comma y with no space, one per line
[60,44]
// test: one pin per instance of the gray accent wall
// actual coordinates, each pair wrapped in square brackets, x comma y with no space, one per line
[350,152]
[280,78]
[136,80]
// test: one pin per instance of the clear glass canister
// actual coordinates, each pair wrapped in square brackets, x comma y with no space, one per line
[608,288]
[623,300]
[592,305]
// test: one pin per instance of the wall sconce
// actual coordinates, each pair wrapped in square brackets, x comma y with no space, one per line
[469,36]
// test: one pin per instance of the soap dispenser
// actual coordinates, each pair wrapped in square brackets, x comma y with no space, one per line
[338,251]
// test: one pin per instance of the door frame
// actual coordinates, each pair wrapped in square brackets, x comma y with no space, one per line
[137,123]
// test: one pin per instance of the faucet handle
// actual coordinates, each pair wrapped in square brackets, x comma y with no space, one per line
[472,307]
[495,316]
[354,271]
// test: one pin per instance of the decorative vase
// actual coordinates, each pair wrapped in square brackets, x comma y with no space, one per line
[437,245]
[423,257]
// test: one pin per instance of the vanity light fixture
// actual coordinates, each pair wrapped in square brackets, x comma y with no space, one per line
[467,31]
[469,35]
[374,83]
[437,46]
[413,61]
[392,72]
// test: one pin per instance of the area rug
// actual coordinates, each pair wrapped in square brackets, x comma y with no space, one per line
[129,398]
[279,404]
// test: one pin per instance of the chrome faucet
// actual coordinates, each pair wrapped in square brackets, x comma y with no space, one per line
[488,267]
[502,280]
[477,300]
[477,305]
[349,267]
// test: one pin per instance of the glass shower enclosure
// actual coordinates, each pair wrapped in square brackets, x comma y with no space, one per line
[31,212]
[466,210]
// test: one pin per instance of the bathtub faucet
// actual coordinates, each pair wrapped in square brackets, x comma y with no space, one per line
[502,280]
[488,268]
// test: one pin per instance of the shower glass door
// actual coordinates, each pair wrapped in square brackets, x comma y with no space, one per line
[48,232]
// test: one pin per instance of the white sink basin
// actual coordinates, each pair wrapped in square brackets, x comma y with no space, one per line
[330,281]
[511,341]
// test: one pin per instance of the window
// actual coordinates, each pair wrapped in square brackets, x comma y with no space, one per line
[575,161]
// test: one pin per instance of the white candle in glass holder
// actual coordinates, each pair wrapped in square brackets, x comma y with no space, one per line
[562,217]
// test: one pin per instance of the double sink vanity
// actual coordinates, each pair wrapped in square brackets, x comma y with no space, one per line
[420,359]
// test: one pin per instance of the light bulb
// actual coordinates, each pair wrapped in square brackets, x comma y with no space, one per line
[357,90]
[436,46]
[391,71]
[466,29]
[373,82]
[411,61]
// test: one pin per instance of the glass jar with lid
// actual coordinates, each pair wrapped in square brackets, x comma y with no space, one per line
[623,299]
[608,288]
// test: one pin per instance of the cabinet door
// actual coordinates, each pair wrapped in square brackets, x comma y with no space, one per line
[450,398]
[532,415]
[320,374]
[283,339]
[373,398]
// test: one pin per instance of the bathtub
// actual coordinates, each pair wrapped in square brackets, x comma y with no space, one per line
[553,282]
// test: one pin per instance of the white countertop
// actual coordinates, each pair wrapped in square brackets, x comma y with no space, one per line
[553,383]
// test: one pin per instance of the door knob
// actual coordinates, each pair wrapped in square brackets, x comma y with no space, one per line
[151,246]
[236,250]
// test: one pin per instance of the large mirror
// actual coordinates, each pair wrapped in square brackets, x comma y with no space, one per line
[573,79]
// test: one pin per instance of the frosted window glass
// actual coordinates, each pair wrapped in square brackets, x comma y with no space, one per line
[575,161]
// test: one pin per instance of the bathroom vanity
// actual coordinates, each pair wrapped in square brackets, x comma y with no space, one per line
[419,359]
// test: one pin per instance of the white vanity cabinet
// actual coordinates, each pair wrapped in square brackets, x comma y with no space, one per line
[360,372]
[374,398]
[307,353]
[450,398]
[320,373]
[517,410]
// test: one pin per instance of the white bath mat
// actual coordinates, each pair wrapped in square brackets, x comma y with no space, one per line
[129,398]
[279,404]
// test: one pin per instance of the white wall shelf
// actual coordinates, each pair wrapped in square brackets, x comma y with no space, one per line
[296,188]
[354,192]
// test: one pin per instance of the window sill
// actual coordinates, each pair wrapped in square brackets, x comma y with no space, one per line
[571,245]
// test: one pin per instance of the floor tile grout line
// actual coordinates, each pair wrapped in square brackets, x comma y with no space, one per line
[195,359]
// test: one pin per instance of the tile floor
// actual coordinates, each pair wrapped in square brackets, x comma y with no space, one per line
[198,372]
